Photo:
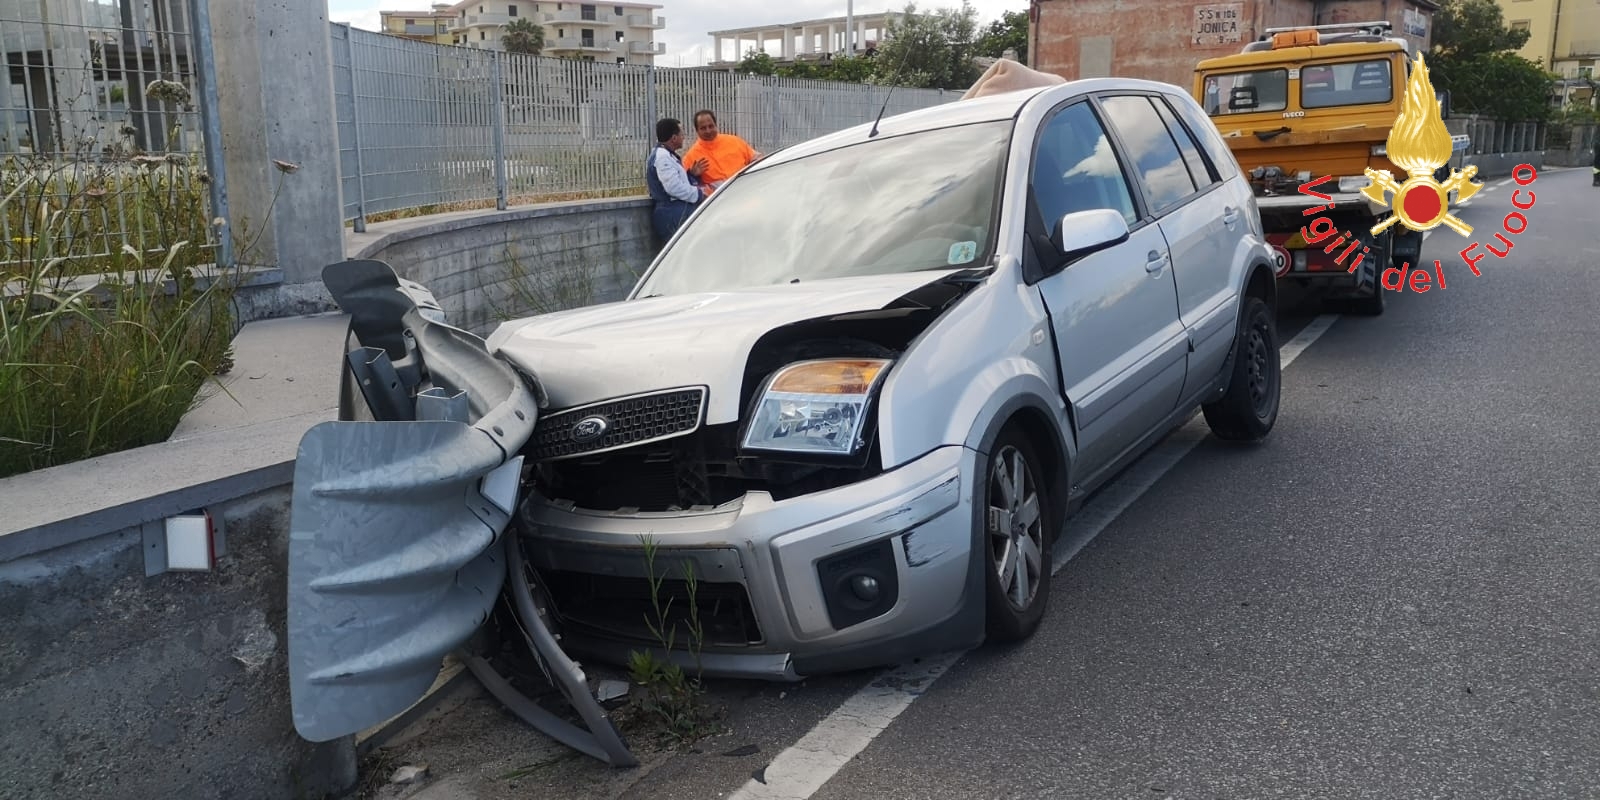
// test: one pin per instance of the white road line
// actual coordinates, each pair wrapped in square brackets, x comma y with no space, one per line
[808,764]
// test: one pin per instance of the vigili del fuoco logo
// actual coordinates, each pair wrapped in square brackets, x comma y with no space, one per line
[1419,143]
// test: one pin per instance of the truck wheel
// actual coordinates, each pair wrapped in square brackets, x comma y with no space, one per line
[1250,408]
[1372,305]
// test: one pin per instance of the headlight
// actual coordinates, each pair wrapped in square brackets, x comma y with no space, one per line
[815,406]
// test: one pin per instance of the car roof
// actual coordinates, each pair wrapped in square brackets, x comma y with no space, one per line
[990,108]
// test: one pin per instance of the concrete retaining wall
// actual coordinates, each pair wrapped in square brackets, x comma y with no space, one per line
[1501,165]
[488,266]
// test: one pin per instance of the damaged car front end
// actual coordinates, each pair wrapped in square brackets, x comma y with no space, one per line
[731,413]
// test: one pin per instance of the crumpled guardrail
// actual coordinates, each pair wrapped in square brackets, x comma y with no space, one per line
[396,555]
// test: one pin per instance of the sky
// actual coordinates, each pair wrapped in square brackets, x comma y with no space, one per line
[689,20]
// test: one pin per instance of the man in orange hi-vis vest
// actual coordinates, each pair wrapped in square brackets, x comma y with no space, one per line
[724,153]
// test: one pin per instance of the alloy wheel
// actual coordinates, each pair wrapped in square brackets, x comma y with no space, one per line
[1016,526]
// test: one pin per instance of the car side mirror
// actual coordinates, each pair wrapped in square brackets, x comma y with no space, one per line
[1083,232]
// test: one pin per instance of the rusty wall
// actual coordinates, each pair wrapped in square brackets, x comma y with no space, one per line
[1163,39]
[1152,39]
[1412,20]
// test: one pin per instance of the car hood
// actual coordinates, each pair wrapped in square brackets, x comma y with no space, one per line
[616,349]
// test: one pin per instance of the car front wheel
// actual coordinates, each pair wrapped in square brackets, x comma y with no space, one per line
[1016,536]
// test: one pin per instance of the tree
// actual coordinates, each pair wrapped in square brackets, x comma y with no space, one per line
[1010,31]
[1474,57]
[930,51]
[1474,27]
[757,62]
[523,36]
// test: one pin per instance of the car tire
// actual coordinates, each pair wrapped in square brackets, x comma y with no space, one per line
[1016,542]
[1249,409]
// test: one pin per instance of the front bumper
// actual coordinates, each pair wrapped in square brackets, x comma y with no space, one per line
[774,576]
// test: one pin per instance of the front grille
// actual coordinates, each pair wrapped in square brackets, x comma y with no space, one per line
[627,421]
[621,607]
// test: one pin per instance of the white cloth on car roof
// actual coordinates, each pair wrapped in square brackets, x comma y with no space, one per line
[1005,75]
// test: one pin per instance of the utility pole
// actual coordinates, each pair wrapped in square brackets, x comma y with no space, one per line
[849,28]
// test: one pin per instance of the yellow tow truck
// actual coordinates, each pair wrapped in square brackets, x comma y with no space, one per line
[1307,111]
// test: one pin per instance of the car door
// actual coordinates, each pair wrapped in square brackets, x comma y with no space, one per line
[1203,224]
[1114,312]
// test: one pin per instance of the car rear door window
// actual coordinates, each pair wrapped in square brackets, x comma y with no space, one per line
[1158,162]
[1200,171]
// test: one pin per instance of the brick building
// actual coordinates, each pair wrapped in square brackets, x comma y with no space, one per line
[1163,39]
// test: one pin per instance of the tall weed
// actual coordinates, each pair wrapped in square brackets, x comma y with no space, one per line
[103,351]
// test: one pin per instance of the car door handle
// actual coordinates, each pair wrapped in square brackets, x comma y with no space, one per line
[1230,216]
[1155,261]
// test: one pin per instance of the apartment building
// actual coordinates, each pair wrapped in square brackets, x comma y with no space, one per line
[427,26]
[1563,37]
[619,32]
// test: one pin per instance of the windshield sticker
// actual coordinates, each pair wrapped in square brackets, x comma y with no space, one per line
[963,252]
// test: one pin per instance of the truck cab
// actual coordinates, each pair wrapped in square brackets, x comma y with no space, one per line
[1309,103]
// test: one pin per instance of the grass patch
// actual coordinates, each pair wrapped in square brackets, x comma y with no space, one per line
[96,366]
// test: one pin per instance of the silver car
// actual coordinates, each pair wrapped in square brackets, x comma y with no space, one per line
[857,394]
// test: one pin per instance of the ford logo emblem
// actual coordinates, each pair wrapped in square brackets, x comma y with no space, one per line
[589,429]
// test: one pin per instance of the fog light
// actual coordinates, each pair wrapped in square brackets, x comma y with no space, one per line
[865,587]
[860,583]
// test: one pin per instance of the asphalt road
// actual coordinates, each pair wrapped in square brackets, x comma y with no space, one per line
[1397,596]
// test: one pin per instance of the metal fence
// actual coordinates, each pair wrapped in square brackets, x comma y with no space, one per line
[1491,136]
[428,126]
[102,135]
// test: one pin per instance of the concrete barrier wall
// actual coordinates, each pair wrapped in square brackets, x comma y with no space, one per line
[488,266]
[116,684]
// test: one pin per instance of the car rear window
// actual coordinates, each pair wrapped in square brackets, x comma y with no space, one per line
[1246,92]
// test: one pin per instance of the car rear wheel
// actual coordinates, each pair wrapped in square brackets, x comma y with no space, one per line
[1250,408]
[1016,537]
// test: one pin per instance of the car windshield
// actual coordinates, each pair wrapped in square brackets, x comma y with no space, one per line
[1353,84]
[897,204]
[1247,92]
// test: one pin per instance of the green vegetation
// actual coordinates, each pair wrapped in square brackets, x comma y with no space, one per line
[1474,57]
[925,50]
[666,702]
[112,310]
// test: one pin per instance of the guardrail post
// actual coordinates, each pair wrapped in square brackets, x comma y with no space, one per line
[211,126]
[360,224]
[499,91]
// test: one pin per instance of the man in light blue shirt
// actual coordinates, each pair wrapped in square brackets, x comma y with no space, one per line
[676,191]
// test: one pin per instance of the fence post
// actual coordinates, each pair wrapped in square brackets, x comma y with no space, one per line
[777,113]
[650,107]
[499,91]
[211,125]
[360,225]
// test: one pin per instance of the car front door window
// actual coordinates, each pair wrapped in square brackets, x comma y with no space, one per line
[1075,168]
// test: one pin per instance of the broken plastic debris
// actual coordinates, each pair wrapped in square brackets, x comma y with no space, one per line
[409,774]
[610,690]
